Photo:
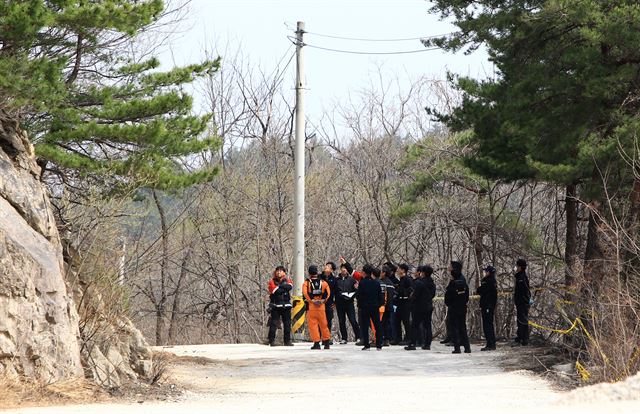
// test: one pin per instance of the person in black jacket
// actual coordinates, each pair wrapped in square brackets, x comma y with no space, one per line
[345,302]
[421,302]
[456,298]
[392,272]
[522,300]
[488,291]
[402,309]
[280,305]
[389,291]
[328,276]
[370,298]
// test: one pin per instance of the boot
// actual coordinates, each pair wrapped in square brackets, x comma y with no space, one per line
[456,350]
[343,342]
[359,342]
[385,342]
[410,348]
[316,345]
[272,344]
[467,350]
[445,341]
[488,348]
[288,343]
[326,344]
[426,347]
[366,348]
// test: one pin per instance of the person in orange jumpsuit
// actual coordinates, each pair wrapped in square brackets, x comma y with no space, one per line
[316,292]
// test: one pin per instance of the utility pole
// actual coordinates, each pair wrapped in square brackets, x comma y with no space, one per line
[299,158]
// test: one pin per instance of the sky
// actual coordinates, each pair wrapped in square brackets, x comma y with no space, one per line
[261,27]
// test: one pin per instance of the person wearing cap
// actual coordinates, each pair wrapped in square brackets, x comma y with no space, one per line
[316,292]
[522,300]
[328,276]
[370,299]
[280,305]
[402,317]
[488,291]
[345,302]
[421,301]
[456,298]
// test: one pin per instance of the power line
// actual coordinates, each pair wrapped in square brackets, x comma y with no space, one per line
[359,39]
[358,52]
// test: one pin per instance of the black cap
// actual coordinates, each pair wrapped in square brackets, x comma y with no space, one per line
[313,270]
[521,263]
[456,266]
[426,269]
[490,269]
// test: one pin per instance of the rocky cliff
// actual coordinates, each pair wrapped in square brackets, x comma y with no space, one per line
[39,335]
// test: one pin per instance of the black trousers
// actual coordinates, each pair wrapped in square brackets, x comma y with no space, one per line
[522,318]
[459,328]
[402,319]
[421,321]
[285,315]
[370,314]
[488,328]
[386,325]
[329,312]
[346,309]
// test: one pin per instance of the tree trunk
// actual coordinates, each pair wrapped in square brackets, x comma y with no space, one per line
[571,239]
[161,303]
[595,257]
[175,308]
[478,236]
[632,259]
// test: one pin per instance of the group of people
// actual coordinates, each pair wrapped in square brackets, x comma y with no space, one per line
[394,305]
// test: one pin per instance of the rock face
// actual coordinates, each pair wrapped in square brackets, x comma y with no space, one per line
[39,335]
[118,354]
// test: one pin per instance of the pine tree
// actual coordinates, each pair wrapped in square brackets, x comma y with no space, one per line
[91,110]
[564,102]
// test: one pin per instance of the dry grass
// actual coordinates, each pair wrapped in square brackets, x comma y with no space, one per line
[74,391]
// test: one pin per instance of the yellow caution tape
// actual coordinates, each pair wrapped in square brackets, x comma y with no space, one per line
[558,331]
[584,374]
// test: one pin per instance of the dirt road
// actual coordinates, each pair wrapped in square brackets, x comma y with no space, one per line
[345,380]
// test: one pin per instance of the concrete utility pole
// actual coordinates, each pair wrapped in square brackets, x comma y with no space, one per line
[299,157]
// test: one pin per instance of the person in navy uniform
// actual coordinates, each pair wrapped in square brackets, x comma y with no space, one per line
[370,298]
[522,300]
[456,298]
[488,291]
[421,302]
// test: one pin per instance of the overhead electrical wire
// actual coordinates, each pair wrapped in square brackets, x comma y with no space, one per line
[360,52]
[359,39]
[357,52]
